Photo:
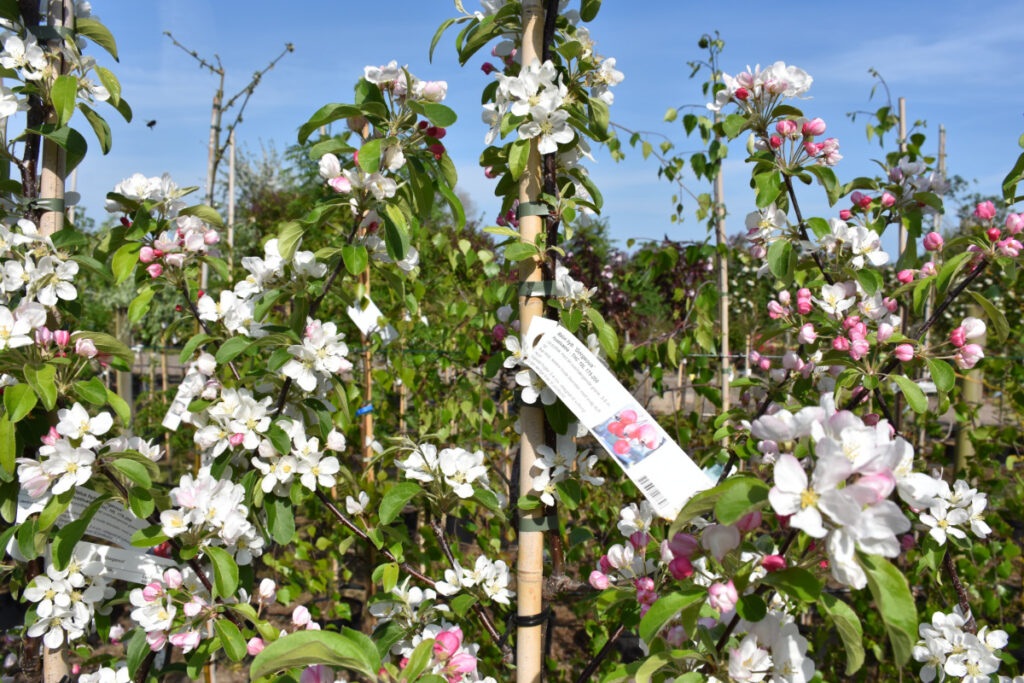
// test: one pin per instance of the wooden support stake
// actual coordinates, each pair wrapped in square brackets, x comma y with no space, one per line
[530,558]
[231,201]
[972,384]
[725,365]
[903,149]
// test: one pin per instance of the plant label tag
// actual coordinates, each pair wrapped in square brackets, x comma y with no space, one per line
[650,458]
[128,565]
[366,319]
[111,523]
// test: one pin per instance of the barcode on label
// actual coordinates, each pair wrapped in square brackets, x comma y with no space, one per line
[651,490]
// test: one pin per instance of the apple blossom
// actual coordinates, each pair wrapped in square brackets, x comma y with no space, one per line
[723,596]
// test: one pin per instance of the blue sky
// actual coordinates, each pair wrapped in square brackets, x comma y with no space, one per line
[954,67]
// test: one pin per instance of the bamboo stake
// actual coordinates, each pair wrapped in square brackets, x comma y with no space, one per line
[59,13]
[231,201]
[971,394]
[211,161]
[723,291]
[530,558]
[941,169]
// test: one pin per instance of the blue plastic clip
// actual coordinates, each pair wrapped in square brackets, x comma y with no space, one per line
[368,408]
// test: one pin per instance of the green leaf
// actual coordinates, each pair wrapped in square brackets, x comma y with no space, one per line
[230,349]
[225,571]
[97,33]
[517,251]
[191,345]
[110,82]
[369,155]
[418,660]
[848,624]
[19,400]
[768,185]
[605,333]
[106,344]
[667,607]
[140,304]
[99,126]
[8,445]
[795,582]
[778,258]
[819,226]
[752,608]
[307,648]
[135,471]
[518,156]
[148,537]
[650,666]
[912,392]
[894,602]
[599,117]
[949,270]
[231,638]
[740,495]
[125,259]
[355,258]
[994,315]
[42,379]
[62,96]
[396,232]
[589,9]
[206,214]
[280,520]
[827,177]
[942,374]
[326,114]
[288,238]
[395,499]
[733,125]
[69,139]
[458,212]
[91,391]
[70,534]
[438,114]
[137,647]
[120,407]
[870,280]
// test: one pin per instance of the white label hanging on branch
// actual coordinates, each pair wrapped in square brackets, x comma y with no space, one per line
[650,458]
[366,319]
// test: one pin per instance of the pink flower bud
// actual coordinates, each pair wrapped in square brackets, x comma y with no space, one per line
[906,542]
[859,348]
[498,333]
[864,202]
[749,522]
[236,439]
[44,336]
[742,93]
[807,335]
[1010,248]
[86,348]
[301,616]
[786,128]
[146,255]
[815,126]
[683,545]
[857,331]
[152,591]
[681,568]
[803,293]
[156,640]
[155,270]
[845,214]
[933,241]
[885,330]
[841,344]
[723,596]
[773,563]
[76,669]
[775,142]
[62,338]
[490,172]
[720,539]
[804,306]
[811,148]
[758,251]
[487,68]
[967,357]
[605,564]
[905,276]
[890,304]
[993,234]
[887,200]
[599,580]
[904,352]
[211,237]
[447,643]
[775,310]
[193,607]
[765,364]
[462,663]
[187,640]
[973,327]
[958,337]
[437,149]
[340,184]
[51,437]
[640,539]
[676,636]
[985,211]
[320,673]
[929,269]
[878,486]
[173,578]
[254,646]
[1014,223]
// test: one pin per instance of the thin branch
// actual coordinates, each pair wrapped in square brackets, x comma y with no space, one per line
[594,663]
[961,592]
[803,227]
